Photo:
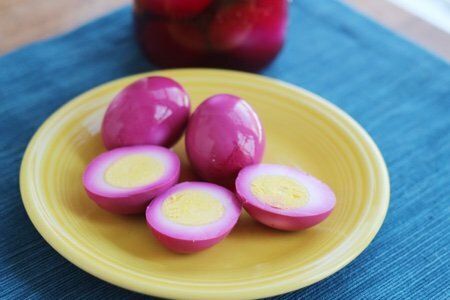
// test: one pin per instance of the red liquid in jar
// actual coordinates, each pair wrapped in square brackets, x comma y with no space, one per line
[238,34]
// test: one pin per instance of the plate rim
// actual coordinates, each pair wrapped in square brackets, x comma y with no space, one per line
[57,243]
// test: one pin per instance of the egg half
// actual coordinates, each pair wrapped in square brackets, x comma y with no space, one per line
[193,216]
[125,180]
[283,197]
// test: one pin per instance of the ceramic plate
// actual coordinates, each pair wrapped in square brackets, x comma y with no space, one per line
[254,261]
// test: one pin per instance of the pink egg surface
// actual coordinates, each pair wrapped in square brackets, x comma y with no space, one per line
[250,32]
[193,216]
[283,197]
[224,135]
[150,111]
[125,180]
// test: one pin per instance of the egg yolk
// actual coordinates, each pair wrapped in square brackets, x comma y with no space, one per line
[134,171]
[279,191]
[193,208]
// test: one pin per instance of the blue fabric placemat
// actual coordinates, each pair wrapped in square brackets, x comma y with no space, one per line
[397,91]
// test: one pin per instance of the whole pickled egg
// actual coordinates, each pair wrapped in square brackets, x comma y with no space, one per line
[224,135]
[150,111]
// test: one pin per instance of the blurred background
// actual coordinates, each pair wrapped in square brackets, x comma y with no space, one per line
[427,22]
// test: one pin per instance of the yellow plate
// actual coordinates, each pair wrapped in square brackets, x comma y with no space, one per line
[254,261]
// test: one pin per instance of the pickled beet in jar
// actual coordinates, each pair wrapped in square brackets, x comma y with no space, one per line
[239,34]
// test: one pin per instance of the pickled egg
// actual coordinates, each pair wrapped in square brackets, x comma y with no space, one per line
[125,180]
[193,216]
[150,111]
[283,197]
[224,135]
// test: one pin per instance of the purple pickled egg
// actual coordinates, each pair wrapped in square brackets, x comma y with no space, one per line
[283,197]
[150,111]
[193,216]
[224,135]
[250,33]
[125,180]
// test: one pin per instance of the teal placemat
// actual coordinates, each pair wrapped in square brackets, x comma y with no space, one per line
[397,91]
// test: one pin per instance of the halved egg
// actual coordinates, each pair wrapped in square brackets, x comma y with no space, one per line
[283,197]
[125,180]
[192,216]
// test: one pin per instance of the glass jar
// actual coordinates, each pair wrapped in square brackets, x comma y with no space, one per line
[238,34]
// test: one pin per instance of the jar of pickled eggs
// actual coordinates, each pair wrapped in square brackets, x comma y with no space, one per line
[238,34]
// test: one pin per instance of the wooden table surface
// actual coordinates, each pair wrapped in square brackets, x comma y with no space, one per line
[25,21]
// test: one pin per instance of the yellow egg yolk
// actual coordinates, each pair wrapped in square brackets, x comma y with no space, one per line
[193,208]
[134,171]
[279,191]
